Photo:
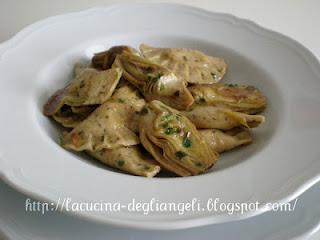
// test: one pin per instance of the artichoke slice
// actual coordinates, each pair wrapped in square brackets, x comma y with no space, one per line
[154,81]
[220,141]
[190,65]
[128,159]
[245,99]
[104,60]
[89,87]
[109,125]
[174,141]
[221,118]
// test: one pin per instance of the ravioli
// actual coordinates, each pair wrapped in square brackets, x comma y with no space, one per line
[221,141]
[221,118]
[190,65]
[89,87]
[80,67]
[154,81]
[174,141]
[109,125]
[161,109]
[131,159]
[238,98]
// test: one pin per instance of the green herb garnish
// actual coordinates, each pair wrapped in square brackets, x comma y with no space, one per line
[187,143]
[120,100]
[169,117]
[172,130]
[120,163]
[154,78]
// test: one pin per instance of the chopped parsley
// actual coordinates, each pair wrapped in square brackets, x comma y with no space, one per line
[186,142]
[120,163]
[169,117]
[120,100]
[154,78]
[166,120]
[172,130]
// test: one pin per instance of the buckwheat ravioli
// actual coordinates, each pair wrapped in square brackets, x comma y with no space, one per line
[156,109]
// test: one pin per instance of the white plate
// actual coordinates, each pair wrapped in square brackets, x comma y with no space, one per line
[17,224]
[281,164]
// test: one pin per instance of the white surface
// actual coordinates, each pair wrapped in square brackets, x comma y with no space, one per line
[294,18]
[257,57]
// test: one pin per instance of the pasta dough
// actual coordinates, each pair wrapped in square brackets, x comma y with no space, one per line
[220,141]
[108,126]
[221,118]
[189,65]
[89,87]
[245,99]
[129,159]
